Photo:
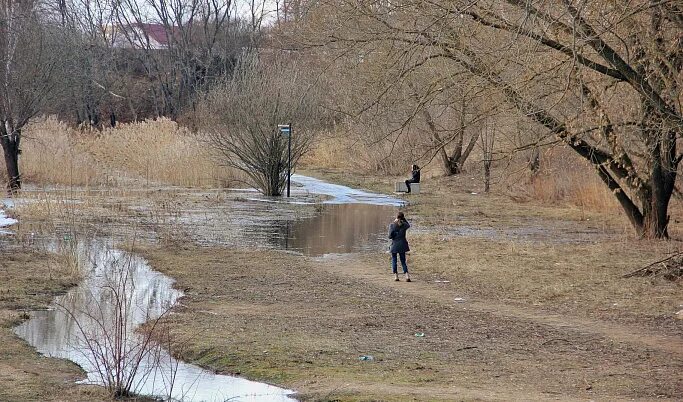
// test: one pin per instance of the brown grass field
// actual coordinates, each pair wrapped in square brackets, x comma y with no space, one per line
[519,295]
[543,318]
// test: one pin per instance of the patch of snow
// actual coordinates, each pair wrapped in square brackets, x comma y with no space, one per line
[5,221]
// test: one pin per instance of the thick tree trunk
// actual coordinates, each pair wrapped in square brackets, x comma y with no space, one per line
[10,147]
[535,162]
[656,220]
[451,166]
[655,203]
[12,165]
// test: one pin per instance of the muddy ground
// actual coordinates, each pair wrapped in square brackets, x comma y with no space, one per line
[516,301]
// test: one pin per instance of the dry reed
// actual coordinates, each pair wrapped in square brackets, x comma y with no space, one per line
[152,152]
[353,152]
[566,180]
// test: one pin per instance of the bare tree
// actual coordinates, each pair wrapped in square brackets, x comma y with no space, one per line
[241,115]
[202,40]
[27,62]
[603,78]
[456,125]
[487,143]
[123,356]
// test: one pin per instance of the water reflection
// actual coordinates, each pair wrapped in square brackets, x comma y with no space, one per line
[338,228]
[121,292]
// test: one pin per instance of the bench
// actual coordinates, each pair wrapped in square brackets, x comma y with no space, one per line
[400,187]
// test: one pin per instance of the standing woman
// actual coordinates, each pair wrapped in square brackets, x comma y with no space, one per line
[399,244]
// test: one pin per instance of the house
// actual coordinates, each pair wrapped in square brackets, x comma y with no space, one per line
[139,36]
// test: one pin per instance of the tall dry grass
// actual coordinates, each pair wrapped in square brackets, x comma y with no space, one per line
[351,152]
[564,178]
[577,188]
[149,152]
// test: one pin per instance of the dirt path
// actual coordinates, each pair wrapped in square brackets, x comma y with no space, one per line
[304,322]
[445,293]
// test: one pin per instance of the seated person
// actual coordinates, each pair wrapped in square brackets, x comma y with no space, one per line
[415,176]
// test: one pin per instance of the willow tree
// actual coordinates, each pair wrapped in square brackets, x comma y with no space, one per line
[28,60]
[603,78]
[239,118]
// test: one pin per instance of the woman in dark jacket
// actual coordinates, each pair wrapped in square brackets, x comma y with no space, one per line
[399,244]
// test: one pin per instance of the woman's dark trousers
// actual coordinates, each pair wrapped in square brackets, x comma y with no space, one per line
[394,264]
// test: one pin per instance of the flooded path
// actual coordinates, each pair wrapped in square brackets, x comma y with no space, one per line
[342,228]
[96,324]
[344,195]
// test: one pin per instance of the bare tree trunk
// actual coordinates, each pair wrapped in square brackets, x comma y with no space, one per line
[10,147]
[453,163]
[488,138]
[535,162]
[656,218]
[662,179]
[456,160]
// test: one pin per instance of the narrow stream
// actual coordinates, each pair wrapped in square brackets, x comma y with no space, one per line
[84,320]
[121,291]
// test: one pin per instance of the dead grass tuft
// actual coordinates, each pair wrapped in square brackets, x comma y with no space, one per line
[30,281]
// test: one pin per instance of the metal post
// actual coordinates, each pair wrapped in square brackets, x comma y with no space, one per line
[289,158]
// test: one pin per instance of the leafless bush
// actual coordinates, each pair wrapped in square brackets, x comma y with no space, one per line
[240,118]
[488,137]
[122,358]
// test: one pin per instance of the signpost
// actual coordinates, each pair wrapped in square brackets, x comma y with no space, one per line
[286,129]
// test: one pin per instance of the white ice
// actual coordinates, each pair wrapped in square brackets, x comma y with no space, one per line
[5,221]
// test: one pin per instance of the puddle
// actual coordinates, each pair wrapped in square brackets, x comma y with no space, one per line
[343,228]
[346,220]
[90,309]
[4,222]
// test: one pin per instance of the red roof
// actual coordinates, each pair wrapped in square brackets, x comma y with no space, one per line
[157,32]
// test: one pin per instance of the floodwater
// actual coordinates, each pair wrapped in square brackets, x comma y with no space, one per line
[319,218]
[121,292]
[5,221]
[341,228]
[339,194]
[92,321]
